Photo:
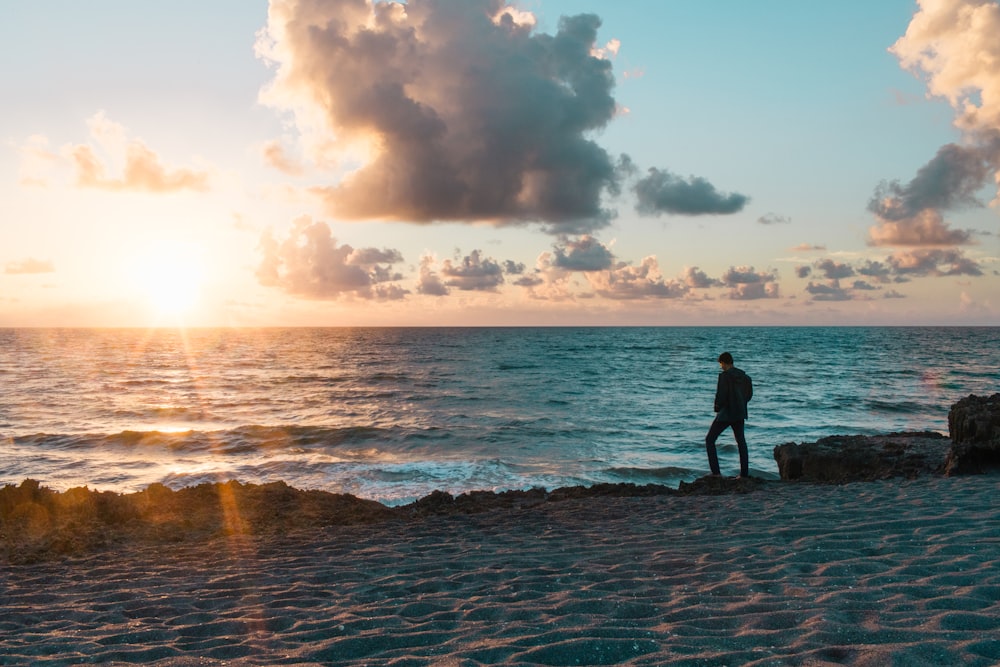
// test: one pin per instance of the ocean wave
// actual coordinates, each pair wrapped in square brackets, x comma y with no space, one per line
[897,406]
[240,440]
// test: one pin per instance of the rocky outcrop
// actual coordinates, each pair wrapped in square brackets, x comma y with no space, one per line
[974,426]
[847,458]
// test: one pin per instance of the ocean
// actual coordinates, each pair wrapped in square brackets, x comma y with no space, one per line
[392,414]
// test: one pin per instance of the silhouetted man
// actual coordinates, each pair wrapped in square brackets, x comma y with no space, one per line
[731,395]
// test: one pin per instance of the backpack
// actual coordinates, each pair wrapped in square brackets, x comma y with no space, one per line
[744,385]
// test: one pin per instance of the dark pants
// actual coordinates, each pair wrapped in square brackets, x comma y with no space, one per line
[716,429]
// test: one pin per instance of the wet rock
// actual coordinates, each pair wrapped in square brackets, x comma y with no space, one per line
[974,426]
[847,458]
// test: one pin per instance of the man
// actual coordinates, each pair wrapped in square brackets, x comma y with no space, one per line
[731,396]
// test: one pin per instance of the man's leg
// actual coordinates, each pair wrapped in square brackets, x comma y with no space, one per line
[714,430]
[741,442]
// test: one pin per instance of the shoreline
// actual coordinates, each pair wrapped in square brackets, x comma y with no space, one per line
[860,573]
[38,523]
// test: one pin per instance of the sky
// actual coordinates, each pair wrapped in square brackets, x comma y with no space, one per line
[478,162]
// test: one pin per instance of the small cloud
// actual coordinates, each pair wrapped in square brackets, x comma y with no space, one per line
[803,271]
[608,51]
[833,270]
[144,170]
[373,256]
[276,157]
[36,161]
[774,219]
[893,294]
[29,265]
[933,262]
[644,281]
[747,284]
[512,268]
[926,228]
[806,247]
[663,192]
[309,263]
[584,254]
[473,273]
[829,291]
[531,280]
[429,282]
[695,278]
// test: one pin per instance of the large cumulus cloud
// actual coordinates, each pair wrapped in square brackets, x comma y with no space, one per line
[459,110]
[468,114]
[953,46]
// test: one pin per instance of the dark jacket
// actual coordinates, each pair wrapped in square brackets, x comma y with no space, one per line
[729,400]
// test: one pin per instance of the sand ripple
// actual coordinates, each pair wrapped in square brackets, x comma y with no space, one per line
[875,573]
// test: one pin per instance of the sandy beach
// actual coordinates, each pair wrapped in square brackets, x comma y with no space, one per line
[892,572]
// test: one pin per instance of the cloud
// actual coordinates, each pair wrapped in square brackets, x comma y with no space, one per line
[276,157]
[465,112]
[806,247]
[310,264]
[36,161]
[832,290]
[878,271]
[746,283]
[953,45]
[429,282]
[513,268]
[803,271]
[473,273]
[663,192]
[927,228]
[899,267]
[933,262]
[644,281]
[695,278]
[950,180]
[530,280]
[459,111]
[584,254]
[373,256]
[829,291]
[833,270]
[29,265]
[144,170]
[911,214]
[774,219]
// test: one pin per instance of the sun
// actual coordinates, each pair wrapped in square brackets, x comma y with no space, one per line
[169,277]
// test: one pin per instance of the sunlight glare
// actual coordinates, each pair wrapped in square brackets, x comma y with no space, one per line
[169,277]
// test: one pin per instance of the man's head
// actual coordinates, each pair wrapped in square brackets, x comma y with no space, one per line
[726,359]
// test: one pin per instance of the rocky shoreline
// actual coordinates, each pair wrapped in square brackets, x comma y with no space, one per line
[37,523]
